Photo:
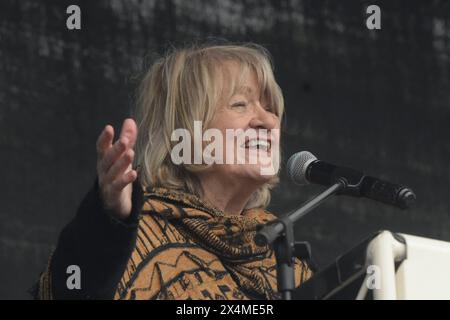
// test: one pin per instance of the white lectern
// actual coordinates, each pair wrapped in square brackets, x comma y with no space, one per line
[408,267]
[387,265]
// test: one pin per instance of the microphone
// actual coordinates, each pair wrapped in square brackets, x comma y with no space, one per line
[303,168]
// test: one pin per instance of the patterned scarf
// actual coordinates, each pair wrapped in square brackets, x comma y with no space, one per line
[229,237]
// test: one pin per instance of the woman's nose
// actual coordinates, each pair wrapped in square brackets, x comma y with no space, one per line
[263,119]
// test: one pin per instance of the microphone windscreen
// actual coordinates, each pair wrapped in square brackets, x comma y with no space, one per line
[297,166]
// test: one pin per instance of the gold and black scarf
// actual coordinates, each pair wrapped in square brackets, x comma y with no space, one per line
[187,249]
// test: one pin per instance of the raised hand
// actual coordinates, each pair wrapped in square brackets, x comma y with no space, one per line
[114,168]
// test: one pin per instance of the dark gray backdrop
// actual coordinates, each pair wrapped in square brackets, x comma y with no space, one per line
[373,100]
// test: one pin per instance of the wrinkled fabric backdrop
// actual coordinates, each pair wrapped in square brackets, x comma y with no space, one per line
[376,100]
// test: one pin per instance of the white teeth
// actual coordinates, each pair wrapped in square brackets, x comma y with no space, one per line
[257,144]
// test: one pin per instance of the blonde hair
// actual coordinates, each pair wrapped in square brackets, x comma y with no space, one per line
[185,86]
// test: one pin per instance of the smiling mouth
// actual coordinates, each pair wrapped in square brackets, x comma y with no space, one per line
[258,144]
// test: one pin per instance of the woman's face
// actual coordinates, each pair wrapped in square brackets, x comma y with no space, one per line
[255,144]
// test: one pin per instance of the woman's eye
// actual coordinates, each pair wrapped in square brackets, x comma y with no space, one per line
[239,104]
[270,109]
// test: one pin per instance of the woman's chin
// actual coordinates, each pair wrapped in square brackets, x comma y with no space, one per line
[258,173]
[261,164]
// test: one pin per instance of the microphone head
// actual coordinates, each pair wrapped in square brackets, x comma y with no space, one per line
[297,166]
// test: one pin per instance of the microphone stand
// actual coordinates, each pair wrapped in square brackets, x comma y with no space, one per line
[280,233]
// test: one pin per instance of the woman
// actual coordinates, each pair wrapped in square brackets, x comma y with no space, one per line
[165,230]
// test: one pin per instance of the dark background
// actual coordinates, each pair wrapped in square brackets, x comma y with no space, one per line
[376,100]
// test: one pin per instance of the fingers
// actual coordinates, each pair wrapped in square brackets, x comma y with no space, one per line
[129,131]
[112,193]
[104,141]
[119,167]
[114,159]
[124,180]
[113,154]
